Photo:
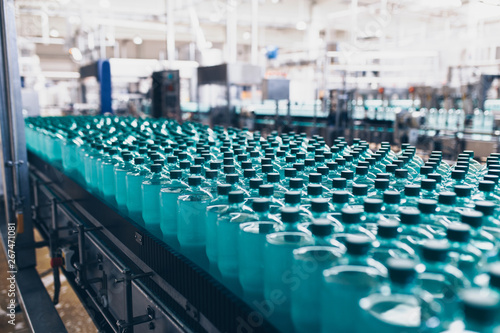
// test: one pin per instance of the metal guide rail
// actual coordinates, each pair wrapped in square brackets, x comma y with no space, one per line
[127,278]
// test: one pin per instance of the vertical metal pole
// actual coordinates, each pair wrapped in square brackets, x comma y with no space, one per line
[170,33]
[13,155]
[254,51]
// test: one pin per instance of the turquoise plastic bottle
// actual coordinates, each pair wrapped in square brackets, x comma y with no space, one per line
[411,195]
[440,275]
[309,263]
[252,235]
[70,148]
[380,186]
[428,189]
[108,174]
[411,232]
[191,214]
[228,226]
[134,179]
[404,307]
[169,205]
[151,187]
[362,178]
[352,220]
[480,238]
[372,213]
[120,171]
[355,277]
[464,255]
[491,224]
[278,263]
[392,201]
[267,191]
[216,207]
[389,245]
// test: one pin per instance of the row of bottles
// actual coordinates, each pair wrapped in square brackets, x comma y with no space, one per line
[318,238]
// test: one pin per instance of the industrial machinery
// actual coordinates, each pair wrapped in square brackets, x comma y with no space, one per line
[166,94]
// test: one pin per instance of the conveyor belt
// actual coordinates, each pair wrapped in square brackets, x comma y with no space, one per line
[187,296]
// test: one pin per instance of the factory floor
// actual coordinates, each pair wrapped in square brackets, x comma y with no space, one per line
[72,313]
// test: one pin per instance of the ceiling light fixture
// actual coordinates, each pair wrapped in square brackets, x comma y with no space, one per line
[301,25]
[75,54]
[137,40]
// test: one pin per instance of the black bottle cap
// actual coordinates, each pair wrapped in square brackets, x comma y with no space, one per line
[340,161]
[232,178]
[339,183]
[486,186]
[473,218]
[194,180]
[435,250]
[391,168]
[255,183]
[458,232]
[480,308]
[332,166]
[139,160]
[392,197]
[361,170]
[358,244]
[223,189]
[492,178]
[249,173]
[127,156]
[309,162]
[401,173]
[314,189]
[425,170]
[372,205]
[290,159]
[447,198]
[290,172]
[321,227]
[300,156]
[412,190]
[266,161]
[290,215]
[299,166]
[215,165]
[273,177]
[292,197]
[266,190]
[351,215]
[402,271]
[319,205]
[348,157]
[427,206]
[359,189]
[436,176]
[485,207]
[463,190]
[387,229]
[428,184]
[347,174]
[409,216]
[494,172]
[195,170]
[315,178]
[458,174]
[228,169]
[176,174]
[340,197]
[267,168]
[323,170]
[296,183]
[261,205]
[199,160]
[319,158]
[235,197]
[156,168]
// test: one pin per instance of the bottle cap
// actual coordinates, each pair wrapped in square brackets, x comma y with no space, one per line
[359,189]
[463,190]
[492,178]
[392,197]
[194,180]
[175,174]
[473,218]
[321,227]
[184,165]
[494,273]
[319,205]
[428,184]
[479,307]
[458,174]
[339,183]
[195,169]
[372,205]
[296,183]
[314,189]
[401,173]
[409,216]
[358,244]
[412,190]
[402,271]
[383,175]
[315,178]
[427,206]
[347,174]
[486,186]
[139,160]
[361,171]
[255,183]
[436,176]
[290,172]
[447,198]
[309,162]
[249,173]
[292,198]
[425,170]
[223,189]
[299,166]
[458,232]
[340,197]
[387,229]
[485,207]
[266,190]
[290,215]
[273,177]
[156,168]
[323,170]
[351,215]
[435,250]
[261,205]
[391,168]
